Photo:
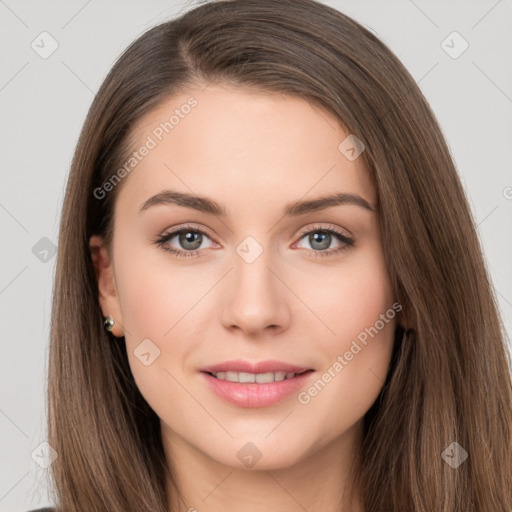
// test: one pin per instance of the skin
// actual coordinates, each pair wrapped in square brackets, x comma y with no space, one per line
[252,153]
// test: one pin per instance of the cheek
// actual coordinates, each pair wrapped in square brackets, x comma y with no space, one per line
[155,296]
[157,305]
[350,297]
[358,308]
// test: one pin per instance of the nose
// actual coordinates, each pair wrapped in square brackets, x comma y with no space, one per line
[256,298]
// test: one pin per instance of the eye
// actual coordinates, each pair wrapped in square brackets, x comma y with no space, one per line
[320,239]
[191,241]
[188,237]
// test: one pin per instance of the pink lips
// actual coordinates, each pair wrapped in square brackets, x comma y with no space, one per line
[239,365]
[254,394]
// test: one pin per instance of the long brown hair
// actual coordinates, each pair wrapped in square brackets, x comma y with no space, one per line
[449,381]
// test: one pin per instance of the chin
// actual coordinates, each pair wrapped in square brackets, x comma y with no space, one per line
[257,453]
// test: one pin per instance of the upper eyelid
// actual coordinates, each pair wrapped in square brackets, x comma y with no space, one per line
[318,226]
[191,227]
[328,227]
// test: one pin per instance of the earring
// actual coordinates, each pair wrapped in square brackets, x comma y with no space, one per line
[108,322]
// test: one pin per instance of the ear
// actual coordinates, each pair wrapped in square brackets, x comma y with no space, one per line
[107,291]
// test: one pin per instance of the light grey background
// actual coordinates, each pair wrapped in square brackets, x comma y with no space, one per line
[43,105]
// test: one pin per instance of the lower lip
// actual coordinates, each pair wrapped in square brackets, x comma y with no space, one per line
[256,395]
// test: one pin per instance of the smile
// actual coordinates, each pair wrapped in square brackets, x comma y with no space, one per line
[260,378]
[245,389]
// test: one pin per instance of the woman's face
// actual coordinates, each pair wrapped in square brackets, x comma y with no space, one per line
[302,286]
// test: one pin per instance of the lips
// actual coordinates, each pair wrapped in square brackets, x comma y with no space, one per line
[268,366]
[261,384]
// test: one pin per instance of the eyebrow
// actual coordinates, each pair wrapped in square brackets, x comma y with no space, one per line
[206,205]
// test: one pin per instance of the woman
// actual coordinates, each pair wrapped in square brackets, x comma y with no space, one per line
[270,293]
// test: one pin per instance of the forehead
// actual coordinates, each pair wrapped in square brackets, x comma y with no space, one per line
[223,141]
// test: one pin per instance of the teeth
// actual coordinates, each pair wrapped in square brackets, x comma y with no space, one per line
[260,378]
[246,377]
[265,378]
[232,376]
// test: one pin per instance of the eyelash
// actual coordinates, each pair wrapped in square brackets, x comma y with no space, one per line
[162,240]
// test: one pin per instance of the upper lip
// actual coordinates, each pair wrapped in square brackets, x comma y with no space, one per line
[240,365]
